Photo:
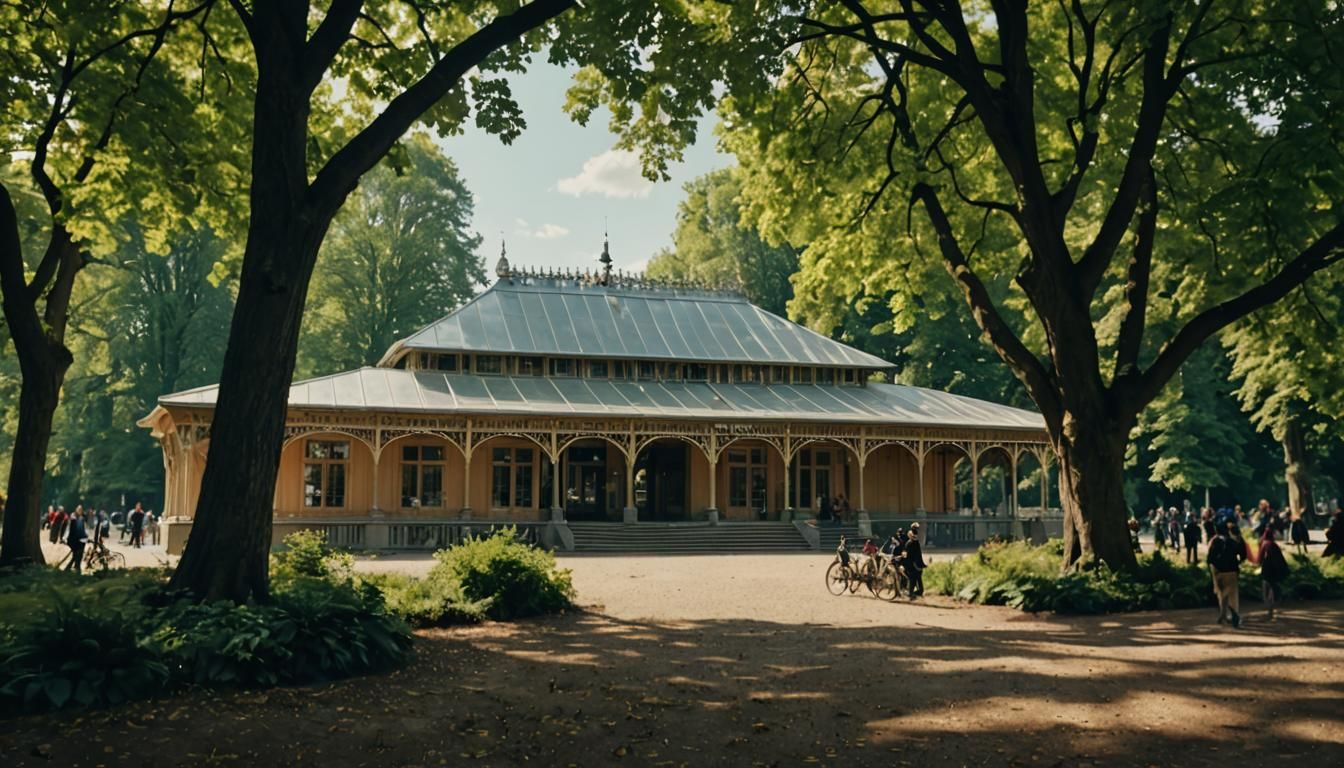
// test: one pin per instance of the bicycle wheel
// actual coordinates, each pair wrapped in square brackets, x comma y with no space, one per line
[114,560]
[871,576]
[855,578]
[886,585]
[837,578]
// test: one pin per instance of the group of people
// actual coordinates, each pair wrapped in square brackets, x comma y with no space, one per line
[905,550]
[833,508]
[1224,531]
[77,529]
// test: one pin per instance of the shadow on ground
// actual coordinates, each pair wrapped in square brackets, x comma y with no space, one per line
[588,689]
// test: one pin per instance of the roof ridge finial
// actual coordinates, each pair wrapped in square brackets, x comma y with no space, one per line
[605,258]
[502,266]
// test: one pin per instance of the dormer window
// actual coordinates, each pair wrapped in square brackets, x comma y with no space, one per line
[531,366]
[597,369]
[562,366]
[489,364]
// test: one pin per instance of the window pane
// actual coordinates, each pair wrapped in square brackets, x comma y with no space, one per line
[597,369]
[757,455]
[697,372]
[802,375]
[522,455]
[522,486]
[431,453]
[500,454]
[618,369]
[488,364]
[826,376]
[315,449]
[409,492]
[410,452]
[562,366]
[805,499]
[646,370]
[499,487]
[823,458]
[339,450]
[431,486]
[530,366]
[737,457]
[335,496]
[447,362]
[737,487]
[805,457]
[312,485]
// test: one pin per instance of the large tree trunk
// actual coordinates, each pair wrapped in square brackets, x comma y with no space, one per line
[1297,470]
[38,398]
[1092,493]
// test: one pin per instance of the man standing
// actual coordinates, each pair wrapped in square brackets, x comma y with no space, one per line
[914,563]
[77,539]
[1191,539]
[1226,553]
[137,521]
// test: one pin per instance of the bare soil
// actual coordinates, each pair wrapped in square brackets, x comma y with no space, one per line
[746,660]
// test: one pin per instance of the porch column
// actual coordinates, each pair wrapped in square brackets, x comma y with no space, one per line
[712,456]
[1045,484]
[468,447]
[784,505]
[1012,467]
[863,461]
[920,473]
[374,509]
[557,511]
[630,514]
[975,483]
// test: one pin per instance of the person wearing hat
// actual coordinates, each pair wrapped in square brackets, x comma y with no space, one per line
[1226,553]
[914,562]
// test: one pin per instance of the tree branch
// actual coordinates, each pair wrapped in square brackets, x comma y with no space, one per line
[328,38]
[1024,364]
[1130,340]
[342,172]
[1325,252]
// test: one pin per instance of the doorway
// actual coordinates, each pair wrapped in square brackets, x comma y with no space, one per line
[586,483]
[660,482]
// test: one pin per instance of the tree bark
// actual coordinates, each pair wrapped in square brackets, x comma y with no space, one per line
[1297,470]
[38,398]
[1092,494]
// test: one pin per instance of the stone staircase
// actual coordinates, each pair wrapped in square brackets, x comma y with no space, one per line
[688,538]
[830,537]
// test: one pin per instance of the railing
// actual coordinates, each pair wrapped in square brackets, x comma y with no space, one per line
[344,535]
[438,535]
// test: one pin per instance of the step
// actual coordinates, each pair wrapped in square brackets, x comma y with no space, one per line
[687,537]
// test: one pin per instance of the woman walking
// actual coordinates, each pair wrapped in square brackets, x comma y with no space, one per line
[1273,570]
[1301,536]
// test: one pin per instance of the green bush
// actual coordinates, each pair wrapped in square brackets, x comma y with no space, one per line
[1021,576]
[434,601]
[67,640]
[506,577]
[305,553]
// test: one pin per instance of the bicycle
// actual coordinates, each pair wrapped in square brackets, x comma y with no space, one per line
[102,557]
[839,575]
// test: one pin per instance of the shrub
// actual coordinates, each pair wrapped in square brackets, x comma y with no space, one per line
[508,578]
[1029,578]
[305,553]
[437,600]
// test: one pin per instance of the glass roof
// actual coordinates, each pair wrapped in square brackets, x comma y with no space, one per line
[552,316]
[393,389]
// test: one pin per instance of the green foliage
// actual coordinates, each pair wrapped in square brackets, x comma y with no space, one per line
[510,578]
[434,601]
[399,255]
[305,554]
[711,244]
[1021,576]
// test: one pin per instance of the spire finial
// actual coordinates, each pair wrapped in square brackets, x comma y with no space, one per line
[502,266]
[605,258]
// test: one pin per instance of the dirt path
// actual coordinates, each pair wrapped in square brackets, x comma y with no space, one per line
[747,661]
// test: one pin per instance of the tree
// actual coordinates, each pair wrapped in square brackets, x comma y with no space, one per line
[400,254]
[711,245]
[85,92]
[1291,383]
[1116,159]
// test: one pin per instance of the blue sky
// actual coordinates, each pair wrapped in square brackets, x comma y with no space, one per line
[549,191]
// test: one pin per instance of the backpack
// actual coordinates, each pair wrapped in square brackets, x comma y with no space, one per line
[1223,555]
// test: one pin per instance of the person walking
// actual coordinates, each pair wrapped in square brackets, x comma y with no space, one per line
[914,562]
[1226,553]
[1300,534]
[1273,571]
[77,538]
[1191,539]
[1334,535]
[1159,533]
[137,519]
[1174,528]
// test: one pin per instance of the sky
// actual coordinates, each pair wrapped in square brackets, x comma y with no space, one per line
[550,191]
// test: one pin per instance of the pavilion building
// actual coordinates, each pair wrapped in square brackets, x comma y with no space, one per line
[605,398]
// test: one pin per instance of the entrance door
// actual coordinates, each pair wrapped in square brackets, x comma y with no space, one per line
[586,484]
[660,482]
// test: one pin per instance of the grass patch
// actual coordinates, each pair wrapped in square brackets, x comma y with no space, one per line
[1022,576]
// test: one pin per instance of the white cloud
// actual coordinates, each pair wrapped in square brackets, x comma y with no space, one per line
[549,232]
[614,173]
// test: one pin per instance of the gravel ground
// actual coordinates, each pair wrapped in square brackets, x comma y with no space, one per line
[747,660]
